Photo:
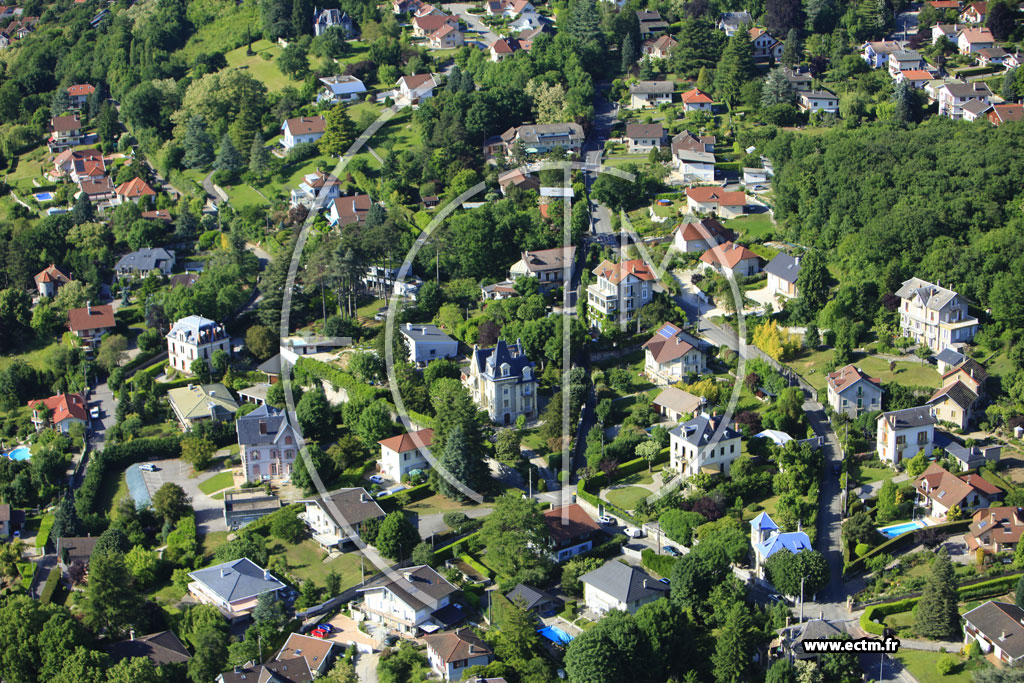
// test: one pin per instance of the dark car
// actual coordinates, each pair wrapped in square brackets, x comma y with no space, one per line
[837,468]
[669,550]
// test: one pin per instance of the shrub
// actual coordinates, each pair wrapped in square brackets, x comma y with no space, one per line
[862,549]
[46,596]
[946,664]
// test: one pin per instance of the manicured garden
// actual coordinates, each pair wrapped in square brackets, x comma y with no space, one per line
[221,480]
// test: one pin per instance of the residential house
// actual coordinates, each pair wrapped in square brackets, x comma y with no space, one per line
[618,586]
[974,13]
[407,599]
[876,53]
[852,392]
[20,28]
[696,100]
[549,266]
[413,89]
[775,436]
[451,652]
[715,200]
[49,280]
[972,457]
[98,190]
[503,48]
[349,210]
[783,272]
[89,324]
[133,191]
[79,95]
[798,80]
[159,648]
[60,412]
[699,236]
[326,18]
[335,519]
[233,587]
[766,539]
[998,628]
[10,520]
[386,281]
[948,31]
[534,600]
[934,316]
[675,404]
[915,78]
[672,355]
[144,261]
[659,48]
[572,531]
[79,165]
[502,382]
[754,176]
[947,359]
[428,342]
[545,137]
[516,177]
[818,100]
[162,215]
[694,156]
[731,22]
[1013,59]
[294,670]
[995,530]
[75,550]
[973,40]
[643,137]
[953,96]
[1001,113]
[341,89]
[318,653]
[302,129]
[651,23]
[506,289]
[196,403]
[447,37]
[731,260]
[902,433]
[954,402]
[945,4]
[425,25]
[65,131]
[968,371]
[194,337]
[424,10]
[405,6]
[267,443]
[904,60]
[988,56]
[643,94]
[939,491]
[703,444]
[792,638]
[765,47]
[315,190]
[975,109]
[248,505]
[620,291]
[400,455]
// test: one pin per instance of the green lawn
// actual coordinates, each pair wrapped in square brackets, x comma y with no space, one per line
[221,480]
[921,664]
[627,498]
[245,195]
[226,31]
[168,595]
[751,227]
[436,504]
[32,354]
[212,541]
[810,365]
[865,474]
[305,561]
[263,70]
[113,489]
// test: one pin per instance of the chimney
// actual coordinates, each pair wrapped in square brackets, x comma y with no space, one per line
[1002,635]
[645,583]
[223,572]
[267,576]
[131,634]
[88,307]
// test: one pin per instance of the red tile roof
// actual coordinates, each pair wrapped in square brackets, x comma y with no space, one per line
[616,272]
[844,377]
[696,96]
[136,187]
[916,75]
[52,274]
[91,318]
[63,406]
[578,523]
[716,195]
[728,254]
[79,90]
[409,441]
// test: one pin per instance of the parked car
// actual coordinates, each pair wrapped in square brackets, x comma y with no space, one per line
[634,532]
[94,413]
[325,627]
[837,468]
[376,479]
[670,550]
[606,520]
[665,581]
[148,467]
[318,633]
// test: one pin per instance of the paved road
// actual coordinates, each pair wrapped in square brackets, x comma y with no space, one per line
[366,667]
[434,523]
[485,35]
[43,567]
[604,119]
[209,512]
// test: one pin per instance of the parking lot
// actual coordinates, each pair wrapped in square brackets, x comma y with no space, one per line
[209,512]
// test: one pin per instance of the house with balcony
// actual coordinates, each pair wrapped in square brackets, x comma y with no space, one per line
[316,190]
[401,455]
[902,433]
[904,60]
[268,444]
[620,291]
[341,89]
[703,444]
[643,94]
[549,266]
[89,324]
[818,100]
[349,210]
[953,96]
[450,653]
[998,628]
[408,600]
[65,132]
[968,371]
[954,402]
[542,138]
[571,530]
[60,412]
[195,337]
[672,355]
[79,95]
[416,88]
[939,490]
[934,316]
[302,129]
[853,393]
[995,530]
[335,519]
[502,382]
[765,46]
[233,587]
[694,156]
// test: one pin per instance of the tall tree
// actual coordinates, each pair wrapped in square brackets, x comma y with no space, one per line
[516,538]
[937,615]
[60,103]
[793,49]
[1001,19]
[613,651]
[776,89]
[198,144]
[302,17]
[228,158]
[339,132]
[903,99]
[258,157]
[463,461]
[734,68]
[782,16]
[397,536]
[65,521]
[111,605]
[735,646]
[698,47]
[630,53]
[812,284]
[668,630]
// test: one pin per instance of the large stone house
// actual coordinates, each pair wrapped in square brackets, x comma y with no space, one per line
[934,316]
[502,382]
[268,444]
[620,291]
[195,337]
[853,393]
[703,444]
[902,433]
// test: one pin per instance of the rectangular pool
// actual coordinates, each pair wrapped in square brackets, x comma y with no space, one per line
[897,529]
[43,196]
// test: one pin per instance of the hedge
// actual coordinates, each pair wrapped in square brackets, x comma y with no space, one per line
[976,591]
[448,552]
[901,542]
[661,565]
[117,456]
[479,568]
[43,535]
[582,492]
[262,525]
[624,470]
[414,493]
[51,586]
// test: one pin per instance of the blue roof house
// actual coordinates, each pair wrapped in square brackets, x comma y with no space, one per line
[767,539]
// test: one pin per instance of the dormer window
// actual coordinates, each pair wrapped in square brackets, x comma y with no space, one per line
[505,368]
[526,373]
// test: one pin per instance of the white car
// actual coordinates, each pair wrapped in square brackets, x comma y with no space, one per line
[148,467]
[376,479]
[633,532]
[606,520]
[94,413]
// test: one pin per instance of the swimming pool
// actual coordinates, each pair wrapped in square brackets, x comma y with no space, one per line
[20,453]
[43,196]
[555,635]
[897,529]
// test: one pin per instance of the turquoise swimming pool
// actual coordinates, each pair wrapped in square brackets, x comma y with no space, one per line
[20,453]
[897,529]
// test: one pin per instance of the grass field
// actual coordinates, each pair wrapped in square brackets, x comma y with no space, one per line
[435,504]
[224,32]
[627,498]
[921,664]
[114,488]
[865,474]
[751,227]
[810,364]
[305,561]
[221,480]
[32,354]
[212,541]
[262,69]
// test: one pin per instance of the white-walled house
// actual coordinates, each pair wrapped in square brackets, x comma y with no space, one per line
[413,89]
[618,586]
[405,600]
[427,342]
[644,94]
[818,100]
[620,291]
[692,448]
[998,628]
[731,260]
[700,236]
[341,89]
[400,455]
[852,392]
[783,271]
[327,516]
[302,129]
[502,382]
[672,355]
[450,653]
[902,433]
[195,337]
[933,315]
[268,445]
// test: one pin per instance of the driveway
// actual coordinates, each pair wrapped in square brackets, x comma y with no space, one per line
[209,512]
[346,632]
[485,35]
[366,667]
[103,398]
[433,524]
